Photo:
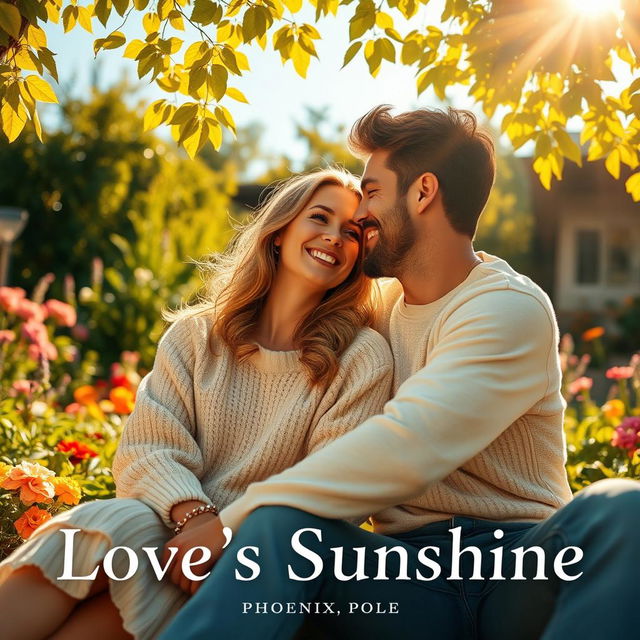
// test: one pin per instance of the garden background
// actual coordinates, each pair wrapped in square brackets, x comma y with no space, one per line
[131,167]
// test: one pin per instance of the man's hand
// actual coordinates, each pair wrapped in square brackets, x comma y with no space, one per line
[204,530]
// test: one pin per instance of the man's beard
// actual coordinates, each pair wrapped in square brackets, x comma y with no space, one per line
[393,245]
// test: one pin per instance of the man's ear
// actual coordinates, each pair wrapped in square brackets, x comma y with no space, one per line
[425,190]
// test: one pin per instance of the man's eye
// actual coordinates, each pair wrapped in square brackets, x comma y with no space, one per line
[372,192]
[319,216]
[352,233]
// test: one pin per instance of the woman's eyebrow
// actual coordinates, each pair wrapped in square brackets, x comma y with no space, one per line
[324,208]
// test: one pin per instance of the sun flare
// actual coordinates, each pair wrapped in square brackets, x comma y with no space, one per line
[594,8]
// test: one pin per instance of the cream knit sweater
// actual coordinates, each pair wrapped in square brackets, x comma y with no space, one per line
[204,427]
[474,429]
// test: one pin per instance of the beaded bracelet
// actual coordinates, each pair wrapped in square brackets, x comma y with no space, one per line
[203,508]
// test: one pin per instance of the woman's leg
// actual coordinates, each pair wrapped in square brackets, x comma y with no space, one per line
[96,618]
[31,607]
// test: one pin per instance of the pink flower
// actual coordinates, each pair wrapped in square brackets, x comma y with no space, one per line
[34,332]
[619,373]
[24,386]
[80,332]
[64,314]
[626,434]
[29,310]
[46,349]
[73,408]
[581,384]
[9,298]
[624,438]
[7,336]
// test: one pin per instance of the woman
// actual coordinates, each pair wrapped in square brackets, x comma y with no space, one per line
[273,364]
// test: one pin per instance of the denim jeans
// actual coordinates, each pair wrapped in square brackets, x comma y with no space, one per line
[602,520]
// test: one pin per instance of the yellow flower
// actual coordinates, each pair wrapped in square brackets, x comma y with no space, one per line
[67,490]
[4,471]
[613,409]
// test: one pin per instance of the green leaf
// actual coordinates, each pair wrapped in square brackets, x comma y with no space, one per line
[351,52]
[102,9]
[114,40]
[184,113]
[10,20]
[121,6]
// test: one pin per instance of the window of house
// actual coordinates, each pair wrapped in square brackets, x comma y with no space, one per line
[587,256]
[619,256]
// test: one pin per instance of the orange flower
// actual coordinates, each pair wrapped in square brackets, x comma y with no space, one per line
[613,409]
[67,490]
[33,480]
[30,520]
[593,333]
[122,399]
[86,394]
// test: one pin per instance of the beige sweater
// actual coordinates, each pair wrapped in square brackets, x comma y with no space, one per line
[204,427]
[474,429]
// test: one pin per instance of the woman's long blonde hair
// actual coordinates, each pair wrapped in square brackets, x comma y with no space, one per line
[242,276]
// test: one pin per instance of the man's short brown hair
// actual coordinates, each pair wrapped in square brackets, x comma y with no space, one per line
[445,143]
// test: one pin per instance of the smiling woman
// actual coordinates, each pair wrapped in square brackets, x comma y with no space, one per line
[275,362]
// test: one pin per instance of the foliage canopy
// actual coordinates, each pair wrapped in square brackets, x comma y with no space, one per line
[534,64]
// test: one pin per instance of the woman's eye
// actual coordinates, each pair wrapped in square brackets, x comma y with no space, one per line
[319,216]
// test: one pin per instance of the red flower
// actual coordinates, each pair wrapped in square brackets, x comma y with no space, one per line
[619,373]
[78,450]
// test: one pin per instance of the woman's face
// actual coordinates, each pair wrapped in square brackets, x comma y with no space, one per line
[321,245]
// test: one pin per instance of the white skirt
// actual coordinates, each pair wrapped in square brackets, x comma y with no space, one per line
[146,604]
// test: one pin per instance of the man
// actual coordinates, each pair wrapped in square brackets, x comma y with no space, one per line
[472,441]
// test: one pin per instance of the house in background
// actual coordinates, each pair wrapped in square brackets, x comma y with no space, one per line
[587,241]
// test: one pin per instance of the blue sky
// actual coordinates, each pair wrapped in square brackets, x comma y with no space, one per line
[277,95]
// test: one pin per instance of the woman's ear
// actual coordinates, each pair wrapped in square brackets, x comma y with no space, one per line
[426,187]
[277,240]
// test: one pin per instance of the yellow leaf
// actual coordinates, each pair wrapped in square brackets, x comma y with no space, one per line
[176,21]
[13,121]
[40,89]
[542,166]
[36,37]
[153,116]
[226,118]
[26,61]
[633,186]
[36,124]
[133,49]
[293,5]
[84,18]
[612,163]
[114,40]
[236,94]
[300,59]
[384,20]
[215,134]
[193,143]
[69,17]
[151,22]
[10,20]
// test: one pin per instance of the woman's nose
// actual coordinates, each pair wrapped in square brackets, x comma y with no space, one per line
[333,238]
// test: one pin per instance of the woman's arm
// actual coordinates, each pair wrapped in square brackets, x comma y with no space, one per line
[158,460]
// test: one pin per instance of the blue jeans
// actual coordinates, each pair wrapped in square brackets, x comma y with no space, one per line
[602,520]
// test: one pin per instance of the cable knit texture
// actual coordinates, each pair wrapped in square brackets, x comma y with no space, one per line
[474,429]
[204,427]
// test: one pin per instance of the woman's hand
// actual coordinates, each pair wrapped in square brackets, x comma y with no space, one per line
[205,530]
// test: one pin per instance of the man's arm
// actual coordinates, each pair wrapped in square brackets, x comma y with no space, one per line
[491,365]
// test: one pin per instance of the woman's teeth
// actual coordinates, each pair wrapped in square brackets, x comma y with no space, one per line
[320,255]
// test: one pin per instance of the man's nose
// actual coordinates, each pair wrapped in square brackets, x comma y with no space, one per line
[361,213]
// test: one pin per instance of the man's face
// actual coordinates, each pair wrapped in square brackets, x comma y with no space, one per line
[388,229]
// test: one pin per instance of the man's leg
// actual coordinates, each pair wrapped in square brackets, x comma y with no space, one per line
[604,521]
[226,607]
